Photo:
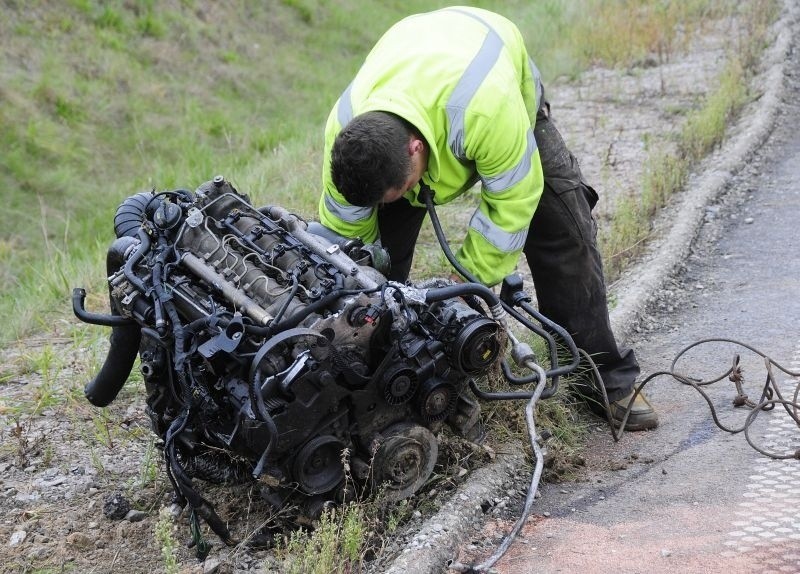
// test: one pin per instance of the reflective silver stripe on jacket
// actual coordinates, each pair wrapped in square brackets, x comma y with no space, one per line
[505,241]
[468,85]
[348,213]
[344,112]
[516,174]
[471,80]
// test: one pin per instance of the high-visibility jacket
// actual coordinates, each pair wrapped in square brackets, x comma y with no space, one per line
[462,77]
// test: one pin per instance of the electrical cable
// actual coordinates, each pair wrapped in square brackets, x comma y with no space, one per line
[532,489]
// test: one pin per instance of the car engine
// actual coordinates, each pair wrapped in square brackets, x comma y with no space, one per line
[271,353]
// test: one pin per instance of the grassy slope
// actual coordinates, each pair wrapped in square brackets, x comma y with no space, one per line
[99,100]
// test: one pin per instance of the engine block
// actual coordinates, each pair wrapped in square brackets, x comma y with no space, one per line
[270,353]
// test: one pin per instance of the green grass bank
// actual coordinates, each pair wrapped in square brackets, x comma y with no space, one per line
[100,100]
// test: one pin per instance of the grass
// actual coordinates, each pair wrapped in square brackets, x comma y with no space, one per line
[335,545]
[100,100]
[165,538]
[668,166]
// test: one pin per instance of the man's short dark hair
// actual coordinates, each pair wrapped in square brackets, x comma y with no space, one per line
[370,156]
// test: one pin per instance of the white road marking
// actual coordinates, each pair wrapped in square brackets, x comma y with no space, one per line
[768,524]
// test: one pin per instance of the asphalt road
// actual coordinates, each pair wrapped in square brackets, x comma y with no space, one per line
[689,497]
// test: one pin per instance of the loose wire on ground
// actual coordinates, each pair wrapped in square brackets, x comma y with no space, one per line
[532,489]
[734,374]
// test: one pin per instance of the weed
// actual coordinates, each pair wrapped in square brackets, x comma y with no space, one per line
[151,26]
[166,541]
[48,452]
[103,427]
[334,546]
[703,128]
[149,466]
[97,462]
[110,19]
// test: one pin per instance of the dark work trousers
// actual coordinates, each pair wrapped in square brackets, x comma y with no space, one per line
[561,249]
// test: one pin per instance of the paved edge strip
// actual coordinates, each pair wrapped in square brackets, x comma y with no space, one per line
[438,540]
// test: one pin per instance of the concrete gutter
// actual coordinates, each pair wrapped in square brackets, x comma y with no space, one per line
[436,543]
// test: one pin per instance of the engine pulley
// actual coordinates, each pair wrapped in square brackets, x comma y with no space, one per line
[404,460]
[436,399]
[399,384]
[318,466]
[476,346]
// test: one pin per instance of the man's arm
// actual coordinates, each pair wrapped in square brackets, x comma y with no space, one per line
[507,160]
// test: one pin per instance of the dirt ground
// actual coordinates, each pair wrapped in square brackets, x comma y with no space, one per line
[61,465]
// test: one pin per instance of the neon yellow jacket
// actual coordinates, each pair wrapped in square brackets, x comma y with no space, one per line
[463,78]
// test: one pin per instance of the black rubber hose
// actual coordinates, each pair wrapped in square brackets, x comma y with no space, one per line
[136,256]
[427,195]
[78,298]
[123,343]
[130,214]
[461,289]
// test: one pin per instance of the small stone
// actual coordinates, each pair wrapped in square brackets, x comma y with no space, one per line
[437,527]
[211,565]
[546,514]
[116,506]
[135,515]
[17,538]
[40,553]
[748,220]
[665,552]
[79,540]
[416,515]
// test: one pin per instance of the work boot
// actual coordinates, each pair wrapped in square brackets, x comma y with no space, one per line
[643,416]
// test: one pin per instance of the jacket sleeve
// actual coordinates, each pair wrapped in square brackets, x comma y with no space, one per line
[504,150]
[335,212]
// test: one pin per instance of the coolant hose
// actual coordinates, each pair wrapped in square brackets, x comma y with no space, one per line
[461,289]
[123,343]
[123,346]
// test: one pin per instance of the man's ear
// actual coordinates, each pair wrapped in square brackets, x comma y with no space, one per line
[415,145]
